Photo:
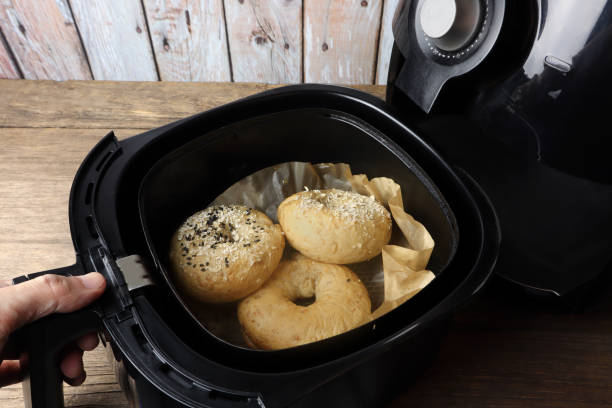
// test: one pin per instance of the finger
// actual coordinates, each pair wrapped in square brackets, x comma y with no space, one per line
[72,364]
[31,300]
[88,342]
[76,381]
[10,372]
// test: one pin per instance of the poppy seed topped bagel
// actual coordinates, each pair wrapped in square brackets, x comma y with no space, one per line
[224,253]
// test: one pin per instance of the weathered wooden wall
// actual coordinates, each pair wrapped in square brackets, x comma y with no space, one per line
[115,35]
[7,66]
[189,39]
[44,39]
[340,40]
[270,41]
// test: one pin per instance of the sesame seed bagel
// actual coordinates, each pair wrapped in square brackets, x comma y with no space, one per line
[335,226]
[224,253]
[271,320]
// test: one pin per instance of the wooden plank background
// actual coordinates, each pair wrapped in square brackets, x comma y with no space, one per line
[340,40]
[267,41]
[386,41]
[7,66]
[43,39]
[117,39]
[189,39]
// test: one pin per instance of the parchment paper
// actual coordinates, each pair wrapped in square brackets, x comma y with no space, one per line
[390,279]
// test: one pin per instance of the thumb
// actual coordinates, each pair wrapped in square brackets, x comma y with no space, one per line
[28,301]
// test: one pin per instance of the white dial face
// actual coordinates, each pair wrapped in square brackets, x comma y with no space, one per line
[438,17]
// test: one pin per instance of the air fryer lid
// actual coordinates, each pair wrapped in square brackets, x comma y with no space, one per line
[148,326]
[441,40]
[528,123]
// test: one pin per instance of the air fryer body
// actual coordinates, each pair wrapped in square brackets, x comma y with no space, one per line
[525,115]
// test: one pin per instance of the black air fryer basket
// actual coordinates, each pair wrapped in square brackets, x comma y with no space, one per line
[129,196]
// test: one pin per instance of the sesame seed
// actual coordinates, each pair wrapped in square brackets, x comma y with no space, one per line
[348,205]
[220,234]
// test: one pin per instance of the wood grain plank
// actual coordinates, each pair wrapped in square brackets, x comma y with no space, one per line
[8,70]
[189,39]
[116,38]
[340,39]
[44,39]
[385,43]
[265,39]
[509,350]
[36,171]
[99,390]
[118,105]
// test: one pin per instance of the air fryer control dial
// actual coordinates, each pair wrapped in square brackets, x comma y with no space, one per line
[450,24]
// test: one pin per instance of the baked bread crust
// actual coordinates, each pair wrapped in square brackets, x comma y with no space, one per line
[271,320]
[335,226]
[224,253]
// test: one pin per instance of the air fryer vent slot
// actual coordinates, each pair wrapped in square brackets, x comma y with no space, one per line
[175,376]
[103,160]
[235,400]
[89,193]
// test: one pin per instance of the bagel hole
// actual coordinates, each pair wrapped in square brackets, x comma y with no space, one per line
[306,301]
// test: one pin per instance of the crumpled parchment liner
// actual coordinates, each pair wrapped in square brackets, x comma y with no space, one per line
[390,280]
[267,188]
[403,265]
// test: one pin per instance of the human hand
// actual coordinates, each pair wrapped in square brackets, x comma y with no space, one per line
[31,300]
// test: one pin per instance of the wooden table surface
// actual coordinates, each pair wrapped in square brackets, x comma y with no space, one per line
[502,350]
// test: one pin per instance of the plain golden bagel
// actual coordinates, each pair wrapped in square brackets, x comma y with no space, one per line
[271,320]
[224,253]
[335,226]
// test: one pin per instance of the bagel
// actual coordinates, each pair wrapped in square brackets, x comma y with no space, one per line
[224,253]
[335,226]
[271,320]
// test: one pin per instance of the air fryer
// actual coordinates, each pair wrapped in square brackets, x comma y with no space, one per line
[520,102]
[486,98]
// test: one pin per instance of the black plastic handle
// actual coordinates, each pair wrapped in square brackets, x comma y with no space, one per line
[44,340]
